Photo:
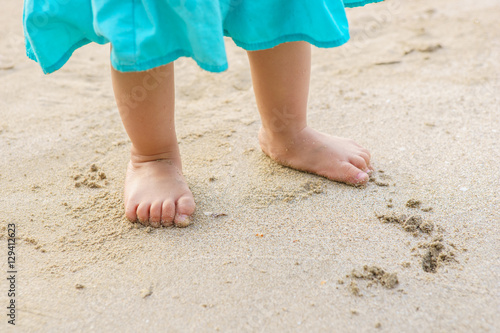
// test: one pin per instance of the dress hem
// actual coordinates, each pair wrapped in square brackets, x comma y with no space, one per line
[62,61]
[286,39]
[361,3]
[147,65]
[150,64]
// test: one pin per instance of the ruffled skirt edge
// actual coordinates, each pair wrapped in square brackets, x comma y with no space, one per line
[172,56]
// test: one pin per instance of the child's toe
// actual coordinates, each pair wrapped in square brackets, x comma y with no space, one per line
[359,162]
[366,156]
[167,213]
[143,213]
[353,175]
[184,210]
[155,214]
[131,211]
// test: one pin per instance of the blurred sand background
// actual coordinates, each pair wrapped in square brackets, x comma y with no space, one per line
[270,248]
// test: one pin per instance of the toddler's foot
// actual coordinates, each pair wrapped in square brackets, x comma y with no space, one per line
[308,150]
[156,192]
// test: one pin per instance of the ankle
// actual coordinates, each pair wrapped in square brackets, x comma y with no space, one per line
[138,157]
[285,136]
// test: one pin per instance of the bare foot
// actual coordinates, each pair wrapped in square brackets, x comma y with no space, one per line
[156,192]
[308,150]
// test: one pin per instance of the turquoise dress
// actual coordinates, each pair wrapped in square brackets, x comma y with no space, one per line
[148,33]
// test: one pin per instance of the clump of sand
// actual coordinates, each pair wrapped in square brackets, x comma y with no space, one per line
[354,289]
[437,250]
[436,254]
[93,178]
[374,275]
[414,224]
[379,178]
[413,203]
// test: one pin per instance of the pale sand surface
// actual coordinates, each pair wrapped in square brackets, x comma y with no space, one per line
[418,85]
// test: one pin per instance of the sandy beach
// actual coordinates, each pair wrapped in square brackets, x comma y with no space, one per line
[271,249]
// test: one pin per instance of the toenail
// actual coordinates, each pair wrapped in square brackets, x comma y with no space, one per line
[182,220]
[361,177]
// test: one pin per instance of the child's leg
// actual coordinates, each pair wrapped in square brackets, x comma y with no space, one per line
[280,78]
[155,189]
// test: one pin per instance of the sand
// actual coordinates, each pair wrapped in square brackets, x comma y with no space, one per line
[270,247]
